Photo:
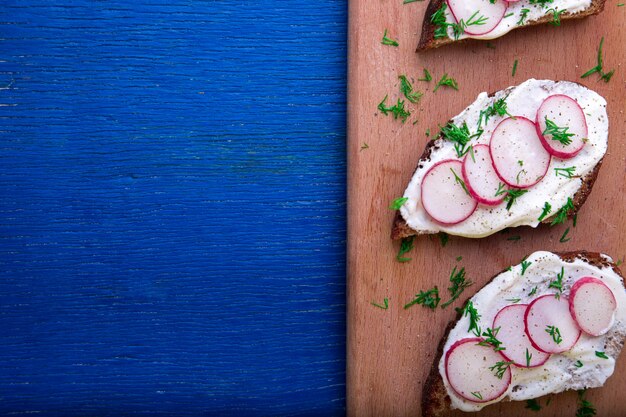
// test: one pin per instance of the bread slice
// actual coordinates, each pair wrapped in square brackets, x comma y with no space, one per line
[428,41]
[401,228]
[435,399]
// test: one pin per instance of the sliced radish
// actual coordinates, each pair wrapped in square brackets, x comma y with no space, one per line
[514,339]
[544,316]
[443,196]
[467,370]
[565,112]
[476,11]
[592,305]
[518,155]
[480,177]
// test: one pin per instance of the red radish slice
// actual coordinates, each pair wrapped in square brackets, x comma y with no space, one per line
[547,314]
[592,305]
[565,112]
[476,11]
[480,177]
[514,339]
[467,370]
[443,196]
[518,155]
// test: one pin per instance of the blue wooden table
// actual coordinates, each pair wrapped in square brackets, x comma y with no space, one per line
[172,207]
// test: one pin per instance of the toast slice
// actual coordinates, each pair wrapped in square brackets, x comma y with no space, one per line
[437,394]
[541,15]
[524,99]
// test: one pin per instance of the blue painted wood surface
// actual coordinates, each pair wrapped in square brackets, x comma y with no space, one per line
[172,205]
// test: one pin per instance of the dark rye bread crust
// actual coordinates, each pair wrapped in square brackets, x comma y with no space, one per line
[400,229]
[435,400]
[428,41]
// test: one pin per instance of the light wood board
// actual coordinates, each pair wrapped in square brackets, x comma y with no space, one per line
[390,352]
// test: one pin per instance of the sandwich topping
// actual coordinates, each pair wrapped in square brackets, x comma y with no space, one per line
[490,19]
[544,326]
[512,159]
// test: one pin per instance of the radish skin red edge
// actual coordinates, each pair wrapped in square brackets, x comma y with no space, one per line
[592,305]
[512,334]
[467,370]
[564,111]
[549,311]
[518,155]
[481,178]
[465,9]
[443,197]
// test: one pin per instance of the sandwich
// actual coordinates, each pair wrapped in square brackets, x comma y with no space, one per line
[555,322]
[522,156]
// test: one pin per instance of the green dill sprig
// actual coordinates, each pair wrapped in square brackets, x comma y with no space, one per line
[460,181]
[384,306]
[474,20]
[461,136]
[443,238]
[406,88]
[491,339]
[514,68]
[405,246]
[555,333]
[533,404]
[525,265]
[513,300]
[397,110]
[497,108]
[557,284]
[470,311]
[543,3]
[523,15]
[564,237]
[388,41]
[556,16]
[601,355]
[398,202]
[546,210]
[578,364]
[500,368]
[585,408]
[599,68]
[427,76]
[429,299]
[529,356]
[459,283]
[565,172]
[513,195]
[514,238]
[500,189]
[446,81]
[438,19]
[410,1]
[561,215]
[477,395]
[560,134]
[365,146]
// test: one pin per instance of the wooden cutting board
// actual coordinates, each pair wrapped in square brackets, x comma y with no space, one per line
[391,351]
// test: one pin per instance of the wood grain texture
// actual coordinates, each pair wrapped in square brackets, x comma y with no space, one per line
[390,352]
[172,205]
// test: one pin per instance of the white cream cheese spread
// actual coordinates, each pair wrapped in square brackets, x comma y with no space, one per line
[513,16]
[522,100]
[560,372]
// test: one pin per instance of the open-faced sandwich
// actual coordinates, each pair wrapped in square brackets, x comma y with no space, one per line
[447,21]
[555,322]
[524,155]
